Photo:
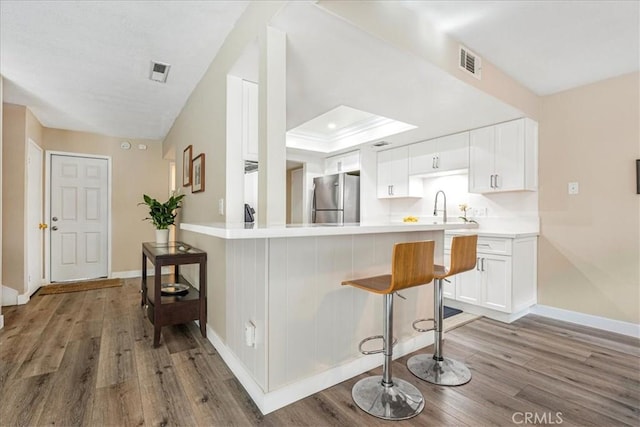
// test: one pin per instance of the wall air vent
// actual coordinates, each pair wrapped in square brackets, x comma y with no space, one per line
[159,71]
[470,62]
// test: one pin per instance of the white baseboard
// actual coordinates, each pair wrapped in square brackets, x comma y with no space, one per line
[611,325]
[1,321]
[271,401]
[11,297]
[486,312]
[138,273]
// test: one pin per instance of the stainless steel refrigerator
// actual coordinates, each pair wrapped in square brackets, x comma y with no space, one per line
[336,199]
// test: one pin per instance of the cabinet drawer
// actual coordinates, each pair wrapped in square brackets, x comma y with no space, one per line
[494,245]
[487,245]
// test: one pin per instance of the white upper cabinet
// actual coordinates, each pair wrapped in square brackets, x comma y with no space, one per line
[249,120]
[348,162]
[393,175]
[504,157]
[445,154]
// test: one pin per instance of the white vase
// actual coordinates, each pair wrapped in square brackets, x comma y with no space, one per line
[162,237]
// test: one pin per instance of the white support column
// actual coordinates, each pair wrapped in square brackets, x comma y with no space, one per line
[272,128]
[234,208]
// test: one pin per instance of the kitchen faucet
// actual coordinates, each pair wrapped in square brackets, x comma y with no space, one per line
[435,206]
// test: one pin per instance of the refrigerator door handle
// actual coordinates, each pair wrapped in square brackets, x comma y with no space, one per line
[313,205]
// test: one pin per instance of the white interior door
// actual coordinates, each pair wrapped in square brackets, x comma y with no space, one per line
[79,221]
[34,217]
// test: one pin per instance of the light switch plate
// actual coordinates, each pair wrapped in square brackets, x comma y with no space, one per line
[573,188]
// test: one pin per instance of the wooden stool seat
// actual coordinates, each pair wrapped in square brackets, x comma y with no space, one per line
[384,396]
[435,368]
[376,284]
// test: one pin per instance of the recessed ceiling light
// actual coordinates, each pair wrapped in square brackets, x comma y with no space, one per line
[331,125]
[352,127]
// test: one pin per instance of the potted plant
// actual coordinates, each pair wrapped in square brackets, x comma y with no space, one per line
[162,215]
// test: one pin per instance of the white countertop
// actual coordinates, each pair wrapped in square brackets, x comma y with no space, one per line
[512,234]
[240,231]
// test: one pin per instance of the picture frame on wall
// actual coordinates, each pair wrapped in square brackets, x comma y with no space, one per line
[197,167]
[186,166]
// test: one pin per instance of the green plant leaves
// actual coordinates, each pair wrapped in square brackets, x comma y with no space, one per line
[162,215]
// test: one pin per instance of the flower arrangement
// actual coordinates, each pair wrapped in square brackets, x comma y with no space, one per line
[464,209]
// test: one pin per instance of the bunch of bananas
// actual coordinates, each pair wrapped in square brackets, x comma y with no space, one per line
[410,219]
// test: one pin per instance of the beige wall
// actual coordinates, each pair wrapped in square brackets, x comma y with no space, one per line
[134,173]
[203,124]
[13,195]
[589,249]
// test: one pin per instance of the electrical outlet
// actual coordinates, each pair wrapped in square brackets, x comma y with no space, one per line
[221,206]
[573,188]
[480,212]
[250,334]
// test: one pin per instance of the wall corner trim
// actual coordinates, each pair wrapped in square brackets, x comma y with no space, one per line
[606,324]
[1,321]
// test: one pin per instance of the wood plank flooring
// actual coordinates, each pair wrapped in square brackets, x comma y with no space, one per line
[86,359]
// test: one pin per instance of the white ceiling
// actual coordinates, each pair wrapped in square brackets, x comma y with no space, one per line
[548,46]
[84,65]
[347,66]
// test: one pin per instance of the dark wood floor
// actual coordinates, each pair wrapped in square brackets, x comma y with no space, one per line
[86,359]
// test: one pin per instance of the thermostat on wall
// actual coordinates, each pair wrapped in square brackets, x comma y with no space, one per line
[125,145]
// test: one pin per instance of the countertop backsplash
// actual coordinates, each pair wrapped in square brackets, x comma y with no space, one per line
[515,211]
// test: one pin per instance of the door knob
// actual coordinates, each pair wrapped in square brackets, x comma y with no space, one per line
[54,228]
[55,218]
[42,226]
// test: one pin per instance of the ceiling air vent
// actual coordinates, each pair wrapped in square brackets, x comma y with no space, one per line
[381,144]
[470,62]
[159,72]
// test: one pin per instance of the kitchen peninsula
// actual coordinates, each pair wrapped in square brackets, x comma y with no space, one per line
[279,316]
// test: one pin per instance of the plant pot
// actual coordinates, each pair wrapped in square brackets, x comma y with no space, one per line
[162,237]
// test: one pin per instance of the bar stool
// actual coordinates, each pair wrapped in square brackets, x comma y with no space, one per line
[435,368]
[384,396]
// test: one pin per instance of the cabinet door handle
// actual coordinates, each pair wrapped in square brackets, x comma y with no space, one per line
[482,262]
[493,185]
[478,264]
[495,181]
[438,162]
[391,189]
[433,162]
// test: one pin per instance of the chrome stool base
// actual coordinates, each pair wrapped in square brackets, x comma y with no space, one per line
[399,401]
[448,372]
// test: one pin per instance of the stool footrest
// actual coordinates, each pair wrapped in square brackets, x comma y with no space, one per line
[424,320]
[374,337]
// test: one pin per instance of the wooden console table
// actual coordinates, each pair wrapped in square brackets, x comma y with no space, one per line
[165,310]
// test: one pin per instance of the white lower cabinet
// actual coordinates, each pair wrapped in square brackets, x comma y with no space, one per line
[504,279]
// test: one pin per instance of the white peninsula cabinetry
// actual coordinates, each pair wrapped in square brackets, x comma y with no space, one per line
[393,175]
[503,157]
[503,284]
